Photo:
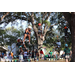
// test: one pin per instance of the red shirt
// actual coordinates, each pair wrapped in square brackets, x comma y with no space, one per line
[41,52]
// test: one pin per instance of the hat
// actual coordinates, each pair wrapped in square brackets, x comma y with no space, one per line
[18,40]
[30,27]
[66,45]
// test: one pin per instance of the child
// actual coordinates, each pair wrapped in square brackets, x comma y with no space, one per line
[27,34]
[67,53]
[41,54]
[40,29]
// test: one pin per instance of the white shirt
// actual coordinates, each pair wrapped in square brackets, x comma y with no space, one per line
[25,53]
[54,53]
[61,52]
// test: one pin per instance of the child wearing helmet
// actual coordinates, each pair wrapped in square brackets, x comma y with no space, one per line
[27,34]
[39,29]
[67,53]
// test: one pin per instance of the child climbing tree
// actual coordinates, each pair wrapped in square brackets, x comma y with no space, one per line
[27,34]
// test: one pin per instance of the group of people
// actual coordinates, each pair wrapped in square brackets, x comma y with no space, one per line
[55,54]
[66,54]
[21,43]
[2,54]
[28,54]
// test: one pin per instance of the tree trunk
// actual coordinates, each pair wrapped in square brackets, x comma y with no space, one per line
[4,16]
[73,37]
[71,20]
[2,37]
[40,42]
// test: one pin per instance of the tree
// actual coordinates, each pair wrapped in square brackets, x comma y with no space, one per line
[70,18]
[61,24]
[2,33]
[11,34]
[33,18]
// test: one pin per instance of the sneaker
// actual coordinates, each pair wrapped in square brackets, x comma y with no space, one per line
[29,43]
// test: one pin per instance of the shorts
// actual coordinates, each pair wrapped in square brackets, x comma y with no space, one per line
[26,33]
[67,56]
[41,55]
[39,32]
[25,57]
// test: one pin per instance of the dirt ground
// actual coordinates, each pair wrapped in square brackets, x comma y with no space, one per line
[60,60]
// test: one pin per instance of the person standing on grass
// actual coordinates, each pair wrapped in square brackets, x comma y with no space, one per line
[51,54]
[41,54]
[25,55]
[36,52]
[12,54]
[2,54]
[67,53]
[33,55]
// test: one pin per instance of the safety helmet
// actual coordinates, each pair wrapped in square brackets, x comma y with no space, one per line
[39,24]
[66,45]
[20,46]
[65,27]
[18,40]
[30,27]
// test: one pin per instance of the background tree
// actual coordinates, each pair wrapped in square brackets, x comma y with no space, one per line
[35,17]
[32,18]
[11,35]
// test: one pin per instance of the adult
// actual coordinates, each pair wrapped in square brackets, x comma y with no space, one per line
[25,55]
[67,53]
[27,34]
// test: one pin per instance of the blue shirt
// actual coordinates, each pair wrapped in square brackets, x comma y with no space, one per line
[2,53]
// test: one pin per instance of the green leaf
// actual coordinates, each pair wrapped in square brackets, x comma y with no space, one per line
[47,22]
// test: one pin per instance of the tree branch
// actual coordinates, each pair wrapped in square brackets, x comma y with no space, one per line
[33,25]
[48,15]
[25,14]
[4,16]
[67,16]
[44,16]
[29,14]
